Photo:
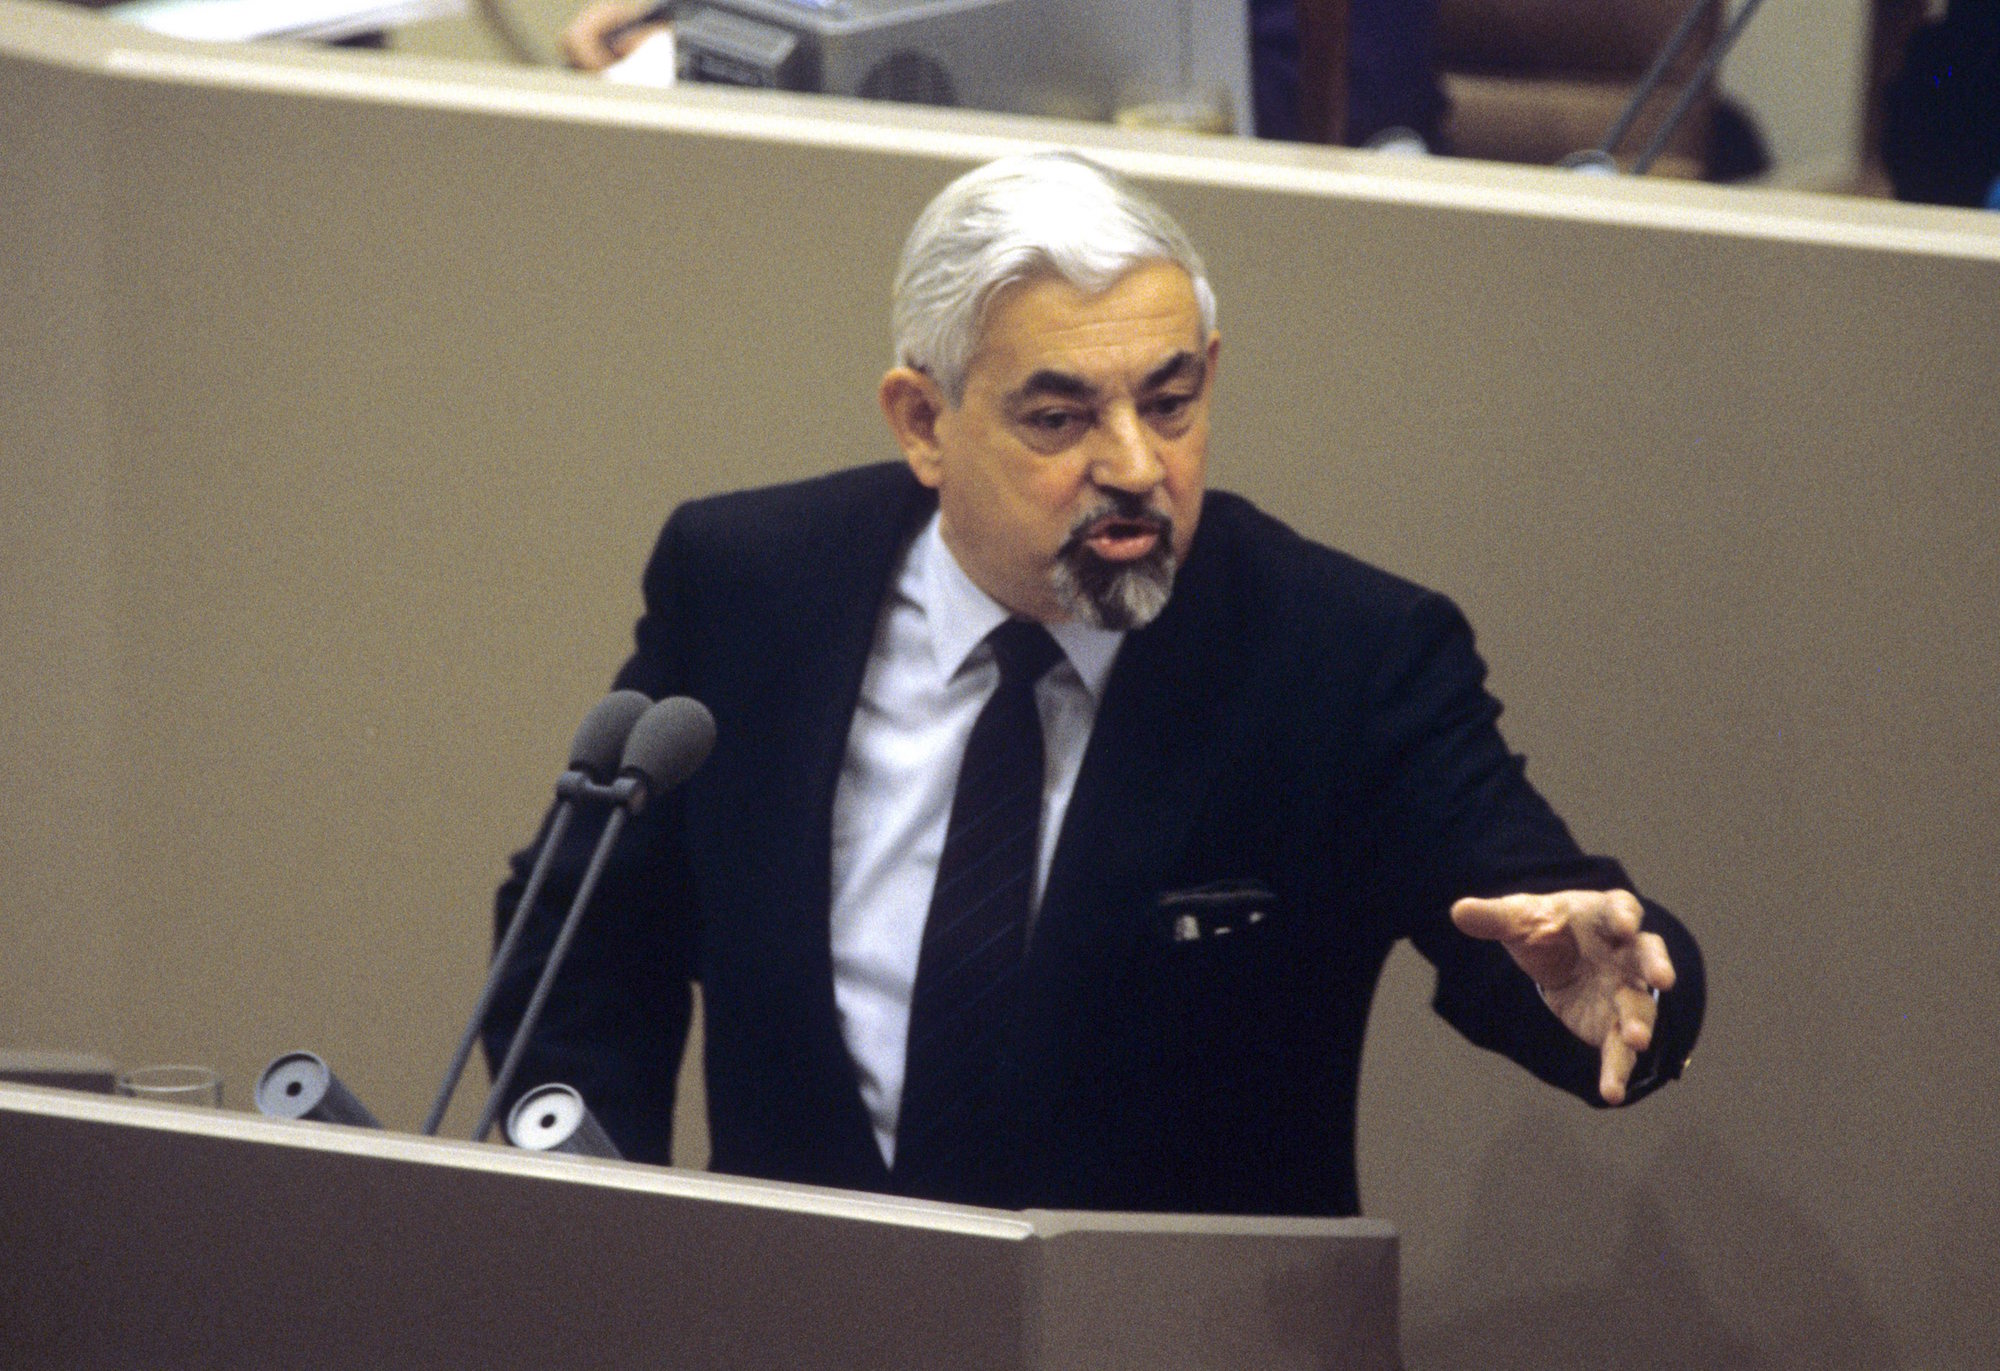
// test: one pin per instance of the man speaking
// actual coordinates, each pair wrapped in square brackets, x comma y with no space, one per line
[1062,815]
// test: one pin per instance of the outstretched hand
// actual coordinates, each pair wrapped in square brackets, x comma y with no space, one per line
[1597,971]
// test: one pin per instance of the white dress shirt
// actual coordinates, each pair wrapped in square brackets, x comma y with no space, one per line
[929,673]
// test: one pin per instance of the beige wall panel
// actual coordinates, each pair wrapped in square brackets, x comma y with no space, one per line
[60,917]
[398,378]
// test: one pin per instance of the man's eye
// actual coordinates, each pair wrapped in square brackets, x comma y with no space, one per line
[1169,407]
[1052,420]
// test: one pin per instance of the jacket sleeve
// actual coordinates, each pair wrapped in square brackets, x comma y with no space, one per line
[1451,814]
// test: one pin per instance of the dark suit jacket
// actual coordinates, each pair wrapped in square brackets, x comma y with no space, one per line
[1293,767]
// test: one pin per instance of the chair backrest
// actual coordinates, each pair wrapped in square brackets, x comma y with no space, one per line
[1534,80]
[1603,38]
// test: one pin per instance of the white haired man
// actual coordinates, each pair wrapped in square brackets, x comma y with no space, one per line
[1230,769]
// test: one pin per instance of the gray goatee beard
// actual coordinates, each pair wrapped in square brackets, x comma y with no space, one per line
[1115,595]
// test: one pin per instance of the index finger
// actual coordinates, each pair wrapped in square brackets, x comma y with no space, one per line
[1501,917]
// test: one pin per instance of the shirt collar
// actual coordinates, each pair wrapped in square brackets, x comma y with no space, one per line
[960,615]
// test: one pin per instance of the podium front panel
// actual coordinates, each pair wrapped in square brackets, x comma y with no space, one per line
[150,1235]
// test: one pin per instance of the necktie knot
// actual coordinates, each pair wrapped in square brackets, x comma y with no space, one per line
[1024,650]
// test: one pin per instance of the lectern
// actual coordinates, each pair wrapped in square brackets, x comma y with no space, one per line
[150,1235]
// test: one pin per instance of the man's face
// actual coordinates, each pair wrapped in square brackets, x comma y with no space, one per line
[1069,477]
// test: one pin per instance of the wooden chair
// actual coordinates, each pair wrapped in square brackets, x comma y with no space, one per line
[1536,80]
[1322,70]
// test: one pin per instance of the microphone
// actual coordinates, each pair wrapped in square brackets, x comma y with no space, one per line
[554,1118]
[299,1085]
[600,738]
[668,744]
[593,755]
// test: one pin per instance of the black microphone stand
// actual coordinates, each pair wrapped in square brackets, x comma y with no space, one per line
[595,752]
[669,742]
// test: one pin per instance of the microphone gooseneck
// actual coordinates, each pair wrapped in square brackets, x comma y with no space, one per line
[668,744]
[1599,160]
[599,745]
[1697,83]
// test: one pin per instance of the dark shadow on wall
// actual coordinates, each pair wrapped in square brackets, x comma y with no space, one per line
[1701,1269]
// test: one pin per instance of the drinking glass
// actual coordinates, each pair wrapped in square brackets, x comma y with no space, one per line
[200,1086]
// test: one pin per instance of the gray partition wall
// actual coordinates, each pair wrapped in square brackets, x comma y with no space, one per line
[342,397]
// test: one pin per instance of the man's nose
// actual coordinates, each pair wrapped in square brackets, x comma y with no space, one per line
[1125,459]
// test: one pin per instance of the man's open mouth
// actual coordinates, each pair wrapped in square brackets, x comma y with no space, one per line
[1123,537]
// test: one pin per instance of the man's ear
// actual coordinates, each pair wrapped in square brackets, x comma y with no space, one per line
[913,403]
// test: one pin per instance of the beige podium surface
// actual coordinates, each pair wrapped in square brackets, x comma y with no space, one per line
[160,1236]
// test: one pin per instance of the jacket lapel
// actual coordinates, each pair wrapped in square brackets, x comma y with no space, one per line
[1161,732]
[842,630]
[840,608]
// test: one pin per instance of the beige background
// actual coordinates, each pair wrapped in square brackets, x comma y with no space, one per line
[342,398]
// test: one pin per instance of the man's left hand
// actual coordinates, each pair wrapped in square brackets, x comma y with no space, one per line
[1596,970]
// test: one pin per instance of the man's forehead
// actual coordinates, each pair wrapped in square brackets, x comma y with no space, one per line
[1146,321]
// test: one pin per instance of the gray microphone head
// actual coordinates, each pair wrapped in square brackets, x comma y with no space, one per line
[669,743]
[299,1085]
[552,1118]
[600,738]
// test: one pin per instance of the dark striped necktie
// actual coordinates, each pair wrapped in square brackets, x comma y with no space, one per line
[950,1139]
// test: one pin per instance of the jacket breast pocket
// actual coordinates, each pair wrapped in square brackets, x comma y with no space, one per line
[1218,912]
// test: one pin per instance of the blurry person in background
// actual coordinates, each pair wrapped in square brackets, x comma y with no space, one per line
[1941,117]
